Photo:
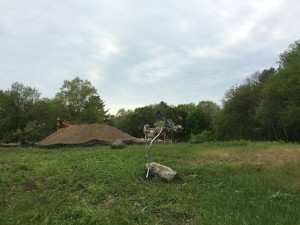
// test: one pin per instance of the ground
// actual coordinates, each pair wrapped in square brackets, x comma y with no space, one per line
[219,183]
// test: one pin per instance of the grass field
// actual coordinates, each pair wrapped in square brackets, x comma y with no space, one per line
[220,183]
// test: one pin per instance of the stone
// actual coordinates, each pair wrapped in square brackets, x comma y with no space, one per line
[118,144]
[163,171]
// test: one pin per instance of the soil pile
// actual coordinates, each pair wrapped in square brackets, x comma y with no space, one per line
[87,134]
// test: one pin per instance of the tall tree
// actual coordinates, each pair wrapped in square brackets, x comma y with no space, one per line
[238,109]
[180,113]
[280,105]
[16,109]
[45,112]
[121,120]
[238,117]
[195,122]
[81,101]
[94,110]
[208,107]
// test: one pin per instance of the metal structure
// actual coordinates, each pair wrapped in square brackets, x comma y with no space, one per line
[167,125]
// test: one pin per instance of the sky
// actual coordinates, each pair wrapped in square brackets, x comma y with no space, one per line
[141,52]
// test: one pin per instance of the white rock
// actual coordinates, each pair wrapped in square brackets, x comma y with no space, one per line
[162,171]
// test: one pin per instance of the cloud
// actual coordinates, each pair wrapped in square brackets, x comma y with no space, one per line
[142,52]
[160,64]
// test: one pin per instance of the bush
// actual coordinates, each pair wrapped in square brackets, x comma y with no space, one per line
[205,136]
[195,138]
[33,132]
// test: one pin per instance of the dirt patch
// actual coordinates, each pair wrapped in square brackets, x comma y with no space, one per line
[109,200]
[87,133]
[2,162]
[29,186]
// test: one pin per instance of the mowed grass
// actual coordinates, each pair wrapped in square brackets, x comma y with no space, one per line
[220,183]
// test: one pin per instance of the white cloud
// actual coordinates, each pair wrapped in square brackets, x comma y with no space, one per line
[152,70]
[264,6]
[160,63]
[242,32]
[127,48]
[212,52]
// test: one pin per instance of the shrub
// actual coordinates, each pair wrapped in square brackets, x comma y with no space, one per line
[205,136]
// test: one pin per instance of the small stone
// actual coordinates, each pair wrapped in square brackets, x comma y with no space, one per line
[118,144]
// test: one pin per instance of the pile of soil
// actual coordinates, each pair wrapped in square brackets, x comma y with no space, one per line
[87,134]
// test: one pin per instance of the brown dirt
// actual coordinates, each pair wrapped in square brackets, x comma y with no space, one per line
[29,186]
[81,134]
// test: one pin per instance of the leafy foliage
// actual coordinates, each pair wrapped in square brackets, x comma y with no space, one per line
[16,109]
[279,109]
[32,133]
[24,116]
[81,102]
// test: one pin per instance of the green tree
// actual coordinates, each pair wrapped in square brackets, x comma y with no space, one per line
[238,117]
[143,115]
[32,133]
[290,57]
[208,107]
[195,122]
[81,101]
[16,109]
[279,109]
[132,122]
[121,119]
[45,111]
[238,109]
[179,115]
[94,110]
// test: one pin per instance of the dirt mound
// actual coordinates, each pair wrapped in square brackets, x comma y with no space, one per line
[87,134]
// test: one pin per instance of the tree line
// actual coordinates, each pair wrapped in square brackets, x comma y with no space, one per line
[266,106]
[24,116]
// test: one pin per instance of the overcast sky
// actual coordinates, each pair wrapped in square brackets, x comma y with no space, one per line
[141,52]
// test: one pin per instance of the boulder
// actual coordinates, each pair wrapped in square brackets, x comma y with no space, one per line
[163,171]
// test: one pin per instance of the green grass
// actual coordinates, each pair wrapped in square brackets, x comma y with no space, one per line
[220,183]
